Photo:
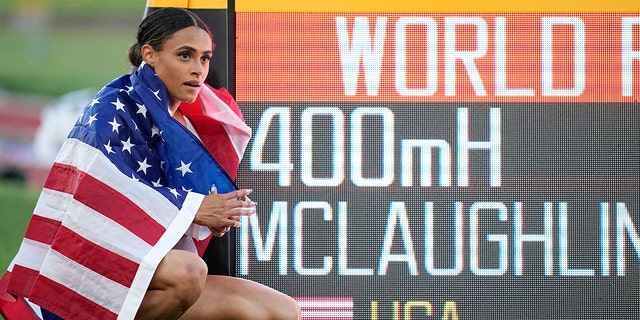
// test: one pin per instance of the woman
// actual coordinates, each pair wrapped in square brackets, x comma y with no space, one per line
[139,186]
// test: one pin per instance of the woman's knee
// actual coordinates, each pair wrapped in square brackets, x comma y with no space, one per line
[176,285]
[188,275]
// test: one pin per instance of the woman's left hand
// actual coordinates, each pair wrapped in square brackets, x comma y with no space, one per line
[220,212]
[221,231]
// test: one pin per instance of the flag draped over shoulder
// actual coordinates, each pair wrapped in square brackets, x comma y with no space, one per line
[122,192]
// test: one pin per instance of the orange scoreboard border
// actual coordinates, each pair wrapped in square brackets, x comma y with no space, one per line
[437,6]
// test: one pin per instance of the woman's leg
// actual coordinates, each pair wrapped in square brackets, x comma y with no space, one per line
[234,298]
[177,284]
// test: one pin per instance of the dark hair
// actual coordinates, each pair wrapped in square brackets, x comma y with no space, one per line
[159,26]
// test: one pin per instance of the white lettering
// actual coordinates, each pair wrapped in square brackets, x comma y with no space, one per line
[624,223]
[277,221]
[563,250]
[424,148]
[604,238]
[578,56]
[493,145]
[298,258]
[501,239]
[451,54]
[397,213]
[501,63]
[343,245]
[519,238]
[361,49]
[357,137]
[628,55]
[431,67]
[458,257]
[284,165]
[306,147]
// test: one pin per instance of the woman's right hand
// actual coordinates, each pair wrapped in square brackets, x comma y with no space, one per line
[220,212]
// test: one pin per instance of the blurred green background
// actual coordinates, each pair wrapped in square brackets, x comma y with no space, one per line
[49,48]
[53,47]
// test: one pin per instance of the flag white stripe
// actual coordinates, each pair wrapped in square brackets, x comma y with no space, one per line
[31,254]
[236,129]
[84,281]
[34,307]
[325,304]
[327,314]
[98,166]
[83,220]
[48,198]
[150,261]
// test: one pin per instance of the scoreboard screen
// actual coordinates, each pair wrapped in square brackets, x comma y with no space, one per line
[460,160]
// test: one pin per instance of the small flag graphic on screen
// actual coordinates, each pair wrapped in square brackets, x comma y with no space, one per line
[326,308]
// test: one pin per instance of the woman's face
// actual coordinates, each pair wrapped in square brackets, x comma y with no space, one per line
[182,64]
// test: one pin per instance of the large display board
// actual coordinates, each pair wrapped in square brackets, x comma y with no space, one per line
[455,160]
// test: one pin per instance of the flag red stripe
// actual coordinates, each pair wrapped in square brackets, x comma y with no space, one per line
[324,308]
[83,251]
[62,178]
[92,192]
[42,229]
[10,307]
[17,310]
[214,137]
[119,208]
[22,280]
[76,306]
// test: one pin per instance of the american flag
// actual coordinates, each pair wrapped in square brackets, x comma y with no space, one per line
[122,192]
[325,308]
